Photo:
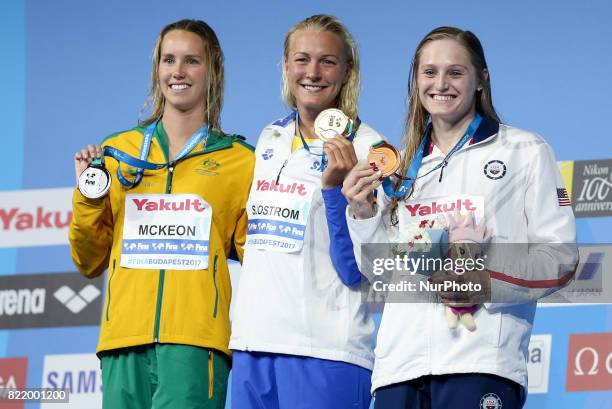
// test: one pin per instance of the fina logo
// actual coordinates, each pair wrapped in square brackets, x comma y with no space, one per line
[490,401]
[76,302]
[268,154]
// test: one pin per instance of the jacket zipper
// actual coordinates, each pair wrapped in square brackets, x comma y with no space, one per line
[109,290]
[211,374]
[162,273]
[215,284]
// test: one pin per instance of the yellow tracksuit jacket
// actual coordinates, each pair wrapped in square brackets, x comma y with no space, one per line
[167,306]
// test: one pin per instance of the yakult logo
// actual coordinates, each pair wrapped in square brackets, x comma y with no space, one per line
[165,205]
[272,186]
[440,207]
[35,217]
[18,219]
[590,362]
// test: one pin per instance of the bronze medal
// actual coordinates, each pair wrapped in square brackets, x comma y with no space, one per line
[385,157]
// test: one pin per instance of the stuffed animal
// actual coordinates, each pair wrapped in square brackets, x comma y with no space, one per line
[466,240]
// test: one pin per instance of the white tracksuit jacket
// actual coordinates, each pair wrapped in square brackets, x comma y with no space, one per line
[521,205]
[294,303]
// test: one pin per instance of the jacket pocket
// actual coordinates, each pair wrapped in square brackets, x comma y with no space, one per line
[215,285]
[108,297]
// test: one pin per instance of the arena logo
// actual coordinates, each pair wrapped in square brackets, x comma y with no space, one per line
[13,373]
[35,217]
[589,362]
[78,373]
[75,302]
[26,301]
[538,363]
[592,188]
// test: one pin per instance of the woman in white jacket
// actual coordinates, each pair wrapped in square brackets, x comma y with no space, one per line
[458,156]
[301,335]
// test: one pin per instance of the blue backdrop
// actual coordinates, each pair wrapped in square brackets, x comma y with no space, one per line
[76,71]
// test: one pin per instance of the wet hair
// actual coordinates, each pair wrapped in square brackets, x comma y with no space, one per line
[213,58]
[417,117]
[349,93]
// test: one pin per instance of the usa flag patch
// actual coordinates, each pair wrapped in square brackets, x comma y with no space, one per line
[564,199]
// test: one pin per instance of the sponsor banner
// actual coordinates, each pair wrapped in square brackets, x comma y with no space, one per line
[39,217]
[49,300]
[592,188]
[78,373]
[592,281]
[589,364]
[13,373]
[538,363]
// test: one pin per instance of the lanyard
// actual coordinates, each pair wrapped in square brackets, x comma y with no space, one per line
[350,137]
[415,163]
[141,163]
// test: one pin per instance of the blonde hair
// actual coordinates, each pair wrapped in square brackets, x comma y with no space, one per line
[213,57]
[417,117]
[349,94]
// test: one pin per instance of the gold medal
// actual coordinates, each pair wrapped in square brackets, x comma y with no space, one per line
[331,122]
[385,157]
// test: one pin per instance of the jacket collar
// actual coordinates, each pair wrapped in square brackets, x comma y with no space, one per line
[487,129]
[215,141]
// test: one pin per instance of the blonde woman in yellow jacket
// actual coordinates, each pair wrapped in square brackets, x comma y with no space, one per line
[166,237]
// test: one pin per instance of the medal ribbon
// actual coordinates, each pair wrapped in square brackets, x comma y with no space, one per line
[141,163]
[415,163]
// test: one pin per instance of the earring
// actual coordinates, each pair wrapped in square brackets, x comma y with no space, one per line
[479,89]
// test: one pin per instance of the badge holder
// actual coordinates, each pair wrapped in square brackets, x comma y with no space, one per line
[332,122]
[95,181]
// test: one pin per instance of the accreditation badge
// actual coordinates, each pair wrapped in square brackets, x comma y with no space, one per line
[422,220]
[168,231]
[95,181]
[278,214]
[331,122]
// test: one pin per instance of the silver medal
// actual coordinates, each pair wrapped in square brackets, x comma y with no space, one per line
[332,122]
[94,182]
